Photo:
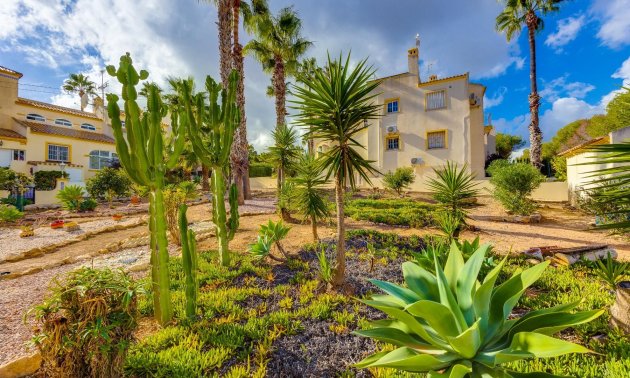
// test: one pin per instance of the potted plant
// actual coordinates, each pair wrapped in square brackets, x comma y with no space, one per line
[56,224]
[135,199]
[117,217]
[27,231]
[71,226]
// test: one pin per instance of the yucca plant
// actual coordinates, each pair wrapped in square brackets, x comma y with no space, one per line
[324,267]
[309,195]
[451,325]
[453,188]
[612,272]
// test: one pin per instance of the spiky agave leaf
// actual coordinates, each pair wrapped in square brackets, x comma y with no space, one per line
[451,322]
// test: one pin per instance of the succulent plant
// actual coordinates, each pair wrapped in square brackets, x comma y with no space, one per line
[211,130]
[189,261]
[146,158]
[449,324]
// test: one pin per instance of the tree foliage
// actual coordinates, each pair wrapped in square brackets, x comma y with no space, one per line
[506,143]
[109,183]
[399,180]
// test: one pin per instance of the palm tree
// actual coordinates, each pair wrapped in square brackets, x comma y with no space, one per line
[511,20]
[309,195]
[81,84]
[335,106]
[278,47]
[284,154]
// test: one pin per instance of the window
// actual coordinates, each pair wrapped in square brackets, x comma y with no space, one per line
[436,139]
[101,159]
[392,106]
[63,122]
[19,155]
[88,126]
[58,153]
[436,100]
[35,117]
[393,143]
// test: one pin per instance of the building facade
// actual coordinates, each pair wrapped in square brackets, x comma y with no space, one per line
[39,136]
[424,124]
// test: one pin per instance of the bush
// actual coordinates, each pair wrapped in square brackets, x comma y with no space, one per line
[71,197]
[396,212]
[399,180]
[47,180]
[86,324]
[260,170]
[88,204]
[9,213]
[559,165]
[173,198]
[513,184]
[7,176]
[109,183]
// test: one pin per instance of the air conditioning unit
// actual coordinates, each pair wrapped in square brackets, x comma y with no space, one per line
[474,100]
[416,161]
[392,129]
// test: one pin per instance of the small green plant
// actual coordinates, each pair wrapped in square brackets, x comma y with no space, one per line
[612,272]
[270,234]
[8,213]
[324,266]
[399,180]
[189,262]
[109,183]
[453,323]
[86,323]
[449,223]
[513,185]
[71,197]
[189,188]
[309,196]
[88,204]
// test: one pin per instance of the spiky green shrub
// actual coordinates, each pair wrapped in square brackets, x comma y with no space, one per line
[86,324]
[309,196]
[449,321]
[8,213]
[71,197]
[399,180]
[612,272]
[270,234]
[514,184]
[324,266]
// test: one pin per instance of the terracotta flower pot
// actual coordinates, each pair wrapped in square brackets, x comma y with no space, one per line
[56,224]
[117,217]
[135,200]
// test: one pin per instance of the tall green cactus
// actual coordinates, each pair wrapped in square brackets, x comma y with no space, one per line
[146,159]
[189,259]
[211,130]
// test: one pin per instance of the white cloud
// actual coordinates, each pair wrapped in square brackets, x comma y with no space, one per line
[568,30]
[496,99]
[614,16]
[563,111]
[561,87]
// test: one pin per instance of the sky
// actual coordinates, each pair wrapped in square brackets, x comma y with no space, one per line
[583,53]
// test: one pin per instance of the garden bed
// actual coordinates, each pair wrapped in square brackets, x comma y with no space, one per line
[393,212]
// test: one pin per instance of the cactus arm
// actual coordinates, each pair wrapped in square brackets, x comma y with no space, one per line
[189,262]
[161,281]
[218,209]
[178,141]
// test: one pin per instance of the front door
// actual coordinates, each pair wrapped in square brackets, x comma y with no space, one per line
[5,157]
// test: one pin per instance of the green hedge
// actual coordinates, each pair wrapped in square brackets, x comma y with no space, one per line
[396,212]
[260,170]
[47,180]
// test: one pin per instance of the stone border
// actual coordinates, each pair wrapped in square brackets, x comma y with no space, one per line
[21,366]
[40,251]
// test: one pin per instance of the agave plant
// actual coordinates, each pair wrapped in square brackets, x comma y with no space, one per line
[268,235]
[451,325]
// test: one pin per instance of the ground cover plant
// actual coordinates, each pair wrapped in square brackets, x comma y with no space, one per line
[399,212]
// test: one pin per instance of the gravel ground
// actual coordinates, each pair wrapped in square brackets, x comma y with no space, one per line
[11,242]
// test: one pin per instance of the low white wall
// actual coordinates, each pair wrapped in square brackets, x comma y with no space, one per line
[48,197]
[260,183]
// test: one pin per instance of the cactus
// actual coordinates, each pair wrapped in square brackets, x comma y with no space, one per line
[146,159]
[211,131]
[189,259]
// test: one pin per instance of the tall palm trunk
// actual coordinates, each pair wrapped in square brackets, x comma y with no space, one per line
[280,89]
[340,268]
[239,154]
[535,135]
[225,40]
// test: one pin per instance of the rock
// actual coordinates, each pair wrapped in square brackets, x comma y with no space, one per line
[620,310]
[129,260]
[533,261]
[139,267]
[31,207]
[22,366]
[535,218]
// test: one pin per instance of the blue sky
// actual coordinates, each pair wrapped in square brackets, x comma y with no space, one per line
[583,53]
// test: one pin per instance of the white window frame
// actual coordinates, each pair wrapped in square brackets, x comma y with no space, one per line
[35,117]
[88,126]
[444,144]
[63,122]
[100,159]
[392,110]
[57,155]
[19,155]
[435,100]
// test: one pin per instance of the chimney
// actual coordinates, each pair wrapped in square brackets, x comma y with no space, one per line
[412,58]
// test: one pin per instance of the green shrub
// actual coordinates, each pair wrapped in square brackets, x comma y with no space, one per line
[7,177]
[109,183]
[86,323]
[260,170]
[513,184]
[71,197]
[559,165]
[399,180]
[9,213]
[396,212]
[88,204]
[270,234]
[451,322]
[612,272]
[47,180]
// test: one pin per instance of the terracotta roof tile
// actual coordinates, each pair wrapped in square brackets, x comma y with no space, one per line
[43,128]
[55,108]
[10,71]
[576,149]
[11,134]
